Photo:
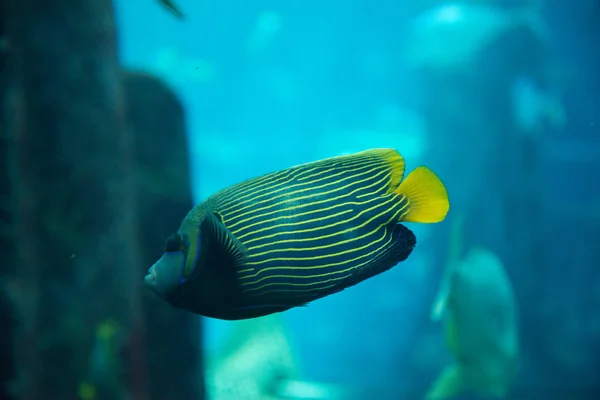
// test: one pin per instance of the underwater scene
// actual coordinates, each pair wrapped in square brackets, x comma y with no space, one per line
[299,200]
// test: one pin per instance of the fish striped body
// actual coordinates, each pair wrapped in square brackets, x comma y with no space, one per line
[310,228]
[290,237]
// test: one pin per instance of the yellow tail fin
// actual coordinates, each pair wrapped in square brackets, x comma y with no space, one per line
[427,196]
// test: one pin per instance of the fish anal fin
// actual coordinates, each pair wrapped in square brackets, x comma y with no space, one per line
[427,196]
[448,385]
[400,246]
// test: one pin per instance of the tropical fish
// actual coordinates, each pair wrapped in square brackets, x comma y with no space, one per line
[287,238]
[173,8]
[478,306]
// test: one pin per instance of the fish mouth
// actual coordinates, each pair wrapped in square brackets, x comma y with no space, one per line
[150,277]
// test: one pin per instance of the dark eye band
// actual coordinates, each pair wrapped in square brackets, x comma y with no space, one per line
[174,243]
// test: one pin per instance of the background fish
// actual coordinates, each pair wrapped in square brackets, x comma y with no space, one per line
[479,309]
[290,237]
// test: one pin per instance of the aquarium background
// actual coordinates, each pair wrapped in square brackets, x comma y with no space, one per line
[500,98]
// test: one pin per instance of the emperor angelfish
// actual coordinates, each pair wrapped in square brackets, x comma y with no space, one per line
[479,309]
[287,238]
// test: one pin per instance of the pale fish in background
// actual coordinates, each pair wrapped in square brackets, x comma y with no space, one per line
[534,109]
[256,353]
[478,306]
[257,362]
[449,36]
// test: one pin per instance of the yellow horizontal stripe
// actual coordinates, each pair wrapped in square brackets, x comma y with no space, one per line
[346,167]
[352,250]
[237,197]
[336,200]
[308,221]
[380,249]
[348,273]
[235,211]
[261,271]
[252,187]
[327,246]
[392,198]
[225,195]
[236,232]
[335,280]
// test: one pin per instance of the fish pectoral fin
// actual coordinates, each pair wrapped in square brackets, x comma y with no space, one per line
[448,385]
[221,241]
[427,196]
[439,304]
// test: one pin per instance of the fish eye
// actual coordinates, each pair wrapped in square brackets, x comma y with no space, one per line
[174,243]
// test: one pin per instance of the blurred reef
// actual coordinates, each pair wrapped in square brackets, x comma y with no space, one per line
[100,160]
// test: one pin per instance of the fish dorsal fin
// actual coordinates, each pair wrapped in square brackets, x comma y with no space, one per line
[382,157]
[440,304]
[395,163]
[220,241]
[379,172]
